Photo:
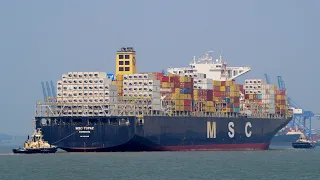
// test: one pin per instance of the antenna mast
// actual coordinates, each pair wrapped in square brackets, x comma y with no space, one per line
[220,57]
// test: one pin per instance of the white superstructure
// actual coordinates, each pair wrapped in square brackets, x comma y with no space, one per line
[215,70]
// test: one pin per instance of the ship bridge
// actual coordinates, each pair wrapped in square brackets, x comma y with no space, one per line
[215,70]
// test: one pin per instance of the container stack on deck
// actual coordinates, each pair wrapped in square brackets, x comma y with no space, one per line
[144,87]
[119,83]
[181,92]
[84,89]
[262,94]
[196,93]
[281,102]
[226,96]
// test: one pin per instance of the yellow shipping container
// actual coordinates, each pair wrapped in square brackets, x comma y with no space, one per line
[230,83]
[177,90]
[222,88]
[174,96]
[185,79]
[234,94]
[216,83]
[236,88]
[283,107]
[165,84]
[216,99]
[208,109]
[195,92]
[196,98]
[180,108]
[280,97]
[179,102]
[250,96]
[232,88]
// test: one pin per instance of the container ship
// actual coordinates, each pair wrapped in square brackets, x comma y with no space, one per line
[200,107]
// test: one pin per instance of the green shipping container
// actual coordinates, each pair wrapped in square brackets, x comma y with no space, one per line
[237,110]
[259,96]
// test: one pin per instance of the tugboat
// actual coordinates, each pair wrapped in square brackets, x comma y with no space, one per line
[303,143]
[35,145]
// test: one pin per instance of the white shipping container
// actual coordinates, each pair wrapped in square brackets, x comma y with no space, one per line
[156,107]
[155,101]
[70,75]
[154,94]
[75,74]
[255,81]
[297,111]
[102,75]
[59,82]
[85,75]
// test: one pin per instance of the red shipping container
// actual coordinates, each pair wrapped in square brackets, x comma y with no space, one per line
[186,85]
[281,92]
[216,88]
[246,96]
[236,99]
[236,105]
[209,95]
[187,108]
[187,102]
[223,83]
[165,79]
[175,79]
[281,102]
[159,76]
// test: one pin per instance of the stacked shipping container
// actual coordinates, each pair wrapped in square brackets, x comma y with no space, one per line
[281,102]
[226,96]
[190,93]
[83,89]
[119,83]
[181,91]
[143,86]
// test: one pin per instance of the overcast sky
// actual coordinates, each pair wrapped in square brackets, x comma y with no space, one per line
[41,40]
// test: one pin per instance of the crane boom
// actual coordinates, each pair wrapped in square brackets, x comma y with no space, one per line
[53,90]
[44,92]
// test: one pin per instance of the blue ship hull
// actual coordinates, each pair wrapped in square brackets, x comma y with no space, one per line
[34,151]
[160,133]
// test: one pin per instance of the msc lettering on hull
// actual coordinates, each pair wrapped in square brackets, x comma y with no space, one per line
[212,129]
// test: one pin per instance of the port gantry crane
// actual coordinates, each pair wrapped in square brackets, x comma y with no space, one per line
[48,91]
[300,116]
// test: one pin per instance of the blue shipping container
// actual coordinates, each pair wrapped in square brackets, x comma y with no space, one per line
[228,88]
[185,91]
[227,100]
[111,76]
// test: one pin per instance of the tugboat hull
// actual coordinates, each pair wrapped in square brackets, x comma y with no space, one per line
[303,145]
[34,151]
